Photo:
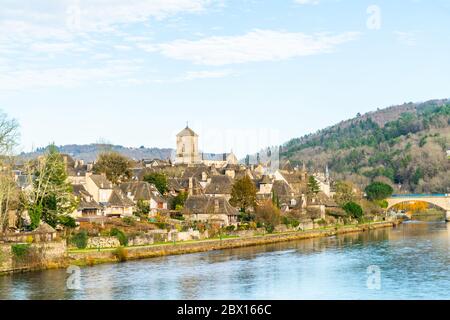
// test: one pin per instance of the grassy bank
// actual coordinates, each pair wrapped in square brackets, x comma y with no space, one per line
[94,256]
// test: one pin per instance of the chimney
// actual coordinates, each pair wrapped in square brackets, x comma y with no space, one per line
[216,206]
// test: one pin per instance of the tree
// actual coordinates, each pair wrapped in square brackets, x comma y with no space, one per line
[243,194]
[344,193]
[9,193]
[276,200]
[269,215]
[354,210]
[378,191]
[115,166]
[179,201]
[159,180]
[52,197]
[313,186]
[9,134]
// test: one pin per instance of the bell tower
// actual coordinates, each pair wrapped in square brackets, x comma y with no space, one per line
[187,147]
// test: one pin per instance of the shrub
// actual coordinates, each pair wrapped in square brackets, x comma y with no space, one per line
[382,204]
[270,228]
[123,239]
[80,240]
[354,210]
[20,251]
[290,222]
[230,228]
[268,214]
[67,222]
[129,221]
[121,254]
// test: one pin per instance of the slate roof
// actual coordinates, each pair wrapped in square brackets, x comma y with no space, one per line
[209,205]
[174,184]
[220,185]
[197,172]
[281,188]
[142,191]
[118,199]
[101,182]
[86,200]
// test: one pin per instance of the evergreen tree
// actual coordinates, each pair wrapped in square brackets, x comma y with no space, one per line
[52,198]
[313,186]
[159,180]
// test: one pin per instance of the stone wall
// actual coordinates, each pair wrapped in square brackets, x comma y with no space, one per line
[143,240]
[103,242]
[194,247]
[36,256]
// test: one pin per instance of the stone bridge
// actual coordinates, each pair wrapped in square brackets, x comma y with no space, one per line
[439,200]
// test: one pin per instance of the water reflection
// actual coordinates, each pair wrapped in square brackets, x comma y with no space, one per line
[413,258]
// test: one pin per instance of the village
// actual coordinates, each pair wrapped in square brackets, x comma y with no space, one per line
[120,203]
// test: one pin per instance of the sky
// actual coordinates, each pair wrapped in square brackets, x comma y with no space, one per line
[244,74]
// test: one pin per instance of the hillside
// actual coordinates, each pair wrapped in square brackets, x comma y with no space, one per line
[89,152]
[405,145]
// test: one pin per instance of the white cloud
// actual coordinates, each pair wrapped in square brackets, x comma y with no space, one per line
[406,38]
[258,45]
[314,2]
[25,79]
[206,74]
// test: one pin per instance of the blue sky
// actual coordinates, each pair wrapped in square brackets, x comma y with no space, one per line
[245,74]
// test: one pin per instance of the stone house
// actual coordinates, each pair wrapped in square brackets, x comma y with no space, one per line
[87,206]
[118,205]
[145,192]
[99,187]
[220,186]
[112,200]
[213,210]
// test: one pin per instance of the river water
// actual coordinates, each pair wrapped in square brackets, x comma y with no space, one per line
[408,262]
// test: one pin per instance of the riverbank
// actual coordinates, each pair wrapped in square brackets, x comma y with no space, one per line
[95,257]
[91,257]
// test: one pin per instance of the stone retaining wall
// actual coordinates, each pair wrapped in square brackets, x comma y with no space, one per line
[103,242]
[37,256]
[182,248]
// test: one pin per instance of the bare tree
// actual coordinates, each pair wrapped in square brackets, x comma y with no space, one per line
[9,136]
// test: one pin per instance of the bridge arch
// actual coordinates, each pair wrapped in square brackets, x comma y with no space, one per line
[441,201]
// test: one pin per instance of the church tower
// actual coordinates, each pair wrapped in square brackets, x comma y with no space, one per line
[187,147]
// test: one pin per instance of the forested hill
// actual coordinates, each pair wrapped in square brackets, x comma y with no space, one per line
[89,152]
[405,145]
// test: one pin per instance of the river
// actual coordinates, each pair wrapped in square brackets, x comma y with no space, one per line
[408,262]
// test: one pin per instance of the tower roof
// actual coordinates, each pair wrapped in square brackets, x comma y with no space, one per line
[187,132]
